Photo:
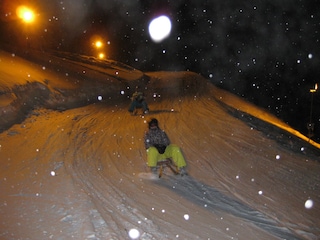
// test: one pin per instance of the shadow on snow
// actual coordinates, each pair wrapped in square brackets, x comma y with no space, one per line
[213,200]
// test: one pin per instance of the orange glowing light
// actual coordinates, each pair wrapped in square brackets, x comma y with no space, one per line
[101,55]
[98,44]
[25,13]
[314,89]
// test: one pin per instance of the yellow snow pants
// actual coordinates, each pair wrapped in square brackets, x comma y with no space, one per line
[172,151]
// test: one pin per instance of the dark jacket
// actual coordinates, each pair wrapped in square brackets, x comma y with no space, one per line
[156,138]
[138,96]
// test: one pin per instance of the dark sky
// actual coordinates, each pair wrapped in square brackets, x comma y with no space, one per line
[265,51]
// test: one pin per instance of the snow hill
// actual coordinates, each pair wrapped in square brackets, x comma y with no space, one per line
[71,153]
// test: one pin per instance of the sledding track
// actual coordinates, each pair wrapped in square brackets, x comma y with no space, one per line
[111,156]
[96,152]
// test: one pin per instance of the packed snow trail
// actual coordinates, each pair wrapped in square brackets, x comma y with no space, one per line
[213,200]
[88,168]
[74,173]
[101,148]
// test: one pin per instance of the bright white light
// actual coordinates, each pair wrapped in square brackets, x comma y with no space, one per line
[308,204]
[53,173]
[99,98]
[159,28]
[134,233]
[186,216]
[277,157]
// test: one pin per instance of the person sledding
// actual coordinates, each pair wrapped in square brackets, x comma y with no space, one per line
[158,147]
[138,101]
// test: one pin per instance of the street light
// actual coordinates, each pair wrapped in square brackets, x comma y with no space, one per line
[26,14]
[101,55]
[98,44]
[310,125]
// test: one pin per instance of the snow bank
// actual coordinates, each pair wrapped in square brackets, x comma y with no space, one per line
[60,83]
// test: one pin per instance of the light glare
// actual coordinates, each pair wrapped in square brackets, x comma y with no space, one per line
[25,13]
[101,55]
[98,44]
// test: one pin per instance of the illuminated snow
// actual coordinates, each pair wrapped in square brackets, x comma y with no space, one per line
[74,173]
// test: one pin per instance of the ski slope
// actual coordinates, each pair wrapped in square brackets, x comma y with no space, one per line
[70,162]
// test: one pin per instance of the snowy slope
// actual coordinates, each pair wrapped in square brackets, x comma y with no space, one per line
[69,170]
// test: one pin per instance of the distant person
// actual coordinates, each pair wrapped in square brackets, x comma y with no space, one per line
[159,147]
[138,101]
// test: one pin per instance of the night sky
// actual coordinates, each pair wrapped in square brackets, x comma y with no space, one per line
[265,51]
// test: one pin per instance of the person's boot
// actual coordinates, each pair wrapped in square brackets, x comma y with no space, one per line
[154,170]
[183,171]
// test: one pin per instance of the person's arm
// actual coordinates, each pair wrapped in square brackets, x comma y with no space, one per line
[147,140]
[165,138]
